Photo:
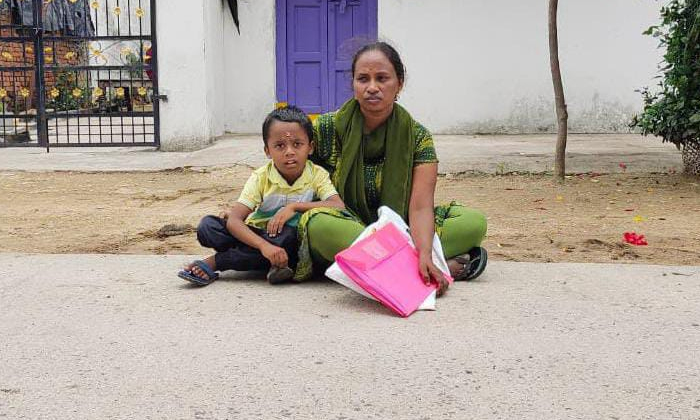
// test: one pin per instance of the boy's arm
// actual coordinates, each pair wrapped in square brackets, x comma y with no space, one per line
[235,224]
[323,189]
[275,225]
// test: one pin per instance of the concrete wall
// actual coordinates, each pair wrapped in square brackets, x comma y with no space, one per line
[191,71]
[483,66]
[474,66]
[250,66]
[215,74]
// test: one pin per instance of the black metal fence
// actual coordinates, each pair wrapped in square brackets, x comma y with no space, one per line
[78,73]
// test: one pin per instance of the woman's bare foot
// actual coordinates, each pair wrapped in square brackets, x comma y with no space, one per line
[456,268]
[468,266]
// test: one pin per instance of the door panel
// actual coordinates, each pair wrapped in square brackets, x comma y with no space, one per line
[307,57]
[314,52]
[307,76]
[349,27]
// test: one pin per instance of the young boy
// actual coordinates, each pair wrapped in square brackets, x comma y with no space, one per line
[259,231]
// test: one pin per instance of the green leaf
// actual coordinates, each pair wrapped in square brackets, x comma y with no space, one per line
[650,30]
[694,119]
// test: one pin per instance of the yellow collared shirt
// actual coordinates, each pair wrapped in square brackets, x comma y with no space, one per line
[266,191]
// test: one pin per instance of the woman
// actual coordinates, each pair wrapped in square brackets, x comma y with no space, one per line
[378,155]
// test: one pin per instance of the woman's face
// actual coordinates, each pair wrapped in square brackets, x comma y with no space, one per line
[375,82]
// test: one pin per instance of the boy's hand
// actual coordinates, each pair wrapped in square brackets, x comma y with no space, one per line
[276,255]
[224,214]
[276,224]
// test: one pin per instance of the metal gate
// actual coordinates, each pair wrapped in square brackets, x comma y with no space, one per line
[78,73]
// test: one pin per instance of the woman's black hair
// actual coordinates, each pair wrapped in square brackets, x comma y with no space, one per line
[391,54]
[287,114]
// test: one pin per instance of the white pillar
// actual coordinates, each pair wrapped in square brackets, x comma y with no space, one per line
[250,66]
[190,72]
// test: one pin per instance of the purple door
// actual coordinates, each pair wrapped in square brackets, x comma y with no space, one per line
[315,43]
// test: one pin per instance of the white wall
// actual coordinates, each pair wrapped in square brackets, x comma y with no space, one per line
[249,66]
[474,66]
[483,65]
[190,69]
[215,15]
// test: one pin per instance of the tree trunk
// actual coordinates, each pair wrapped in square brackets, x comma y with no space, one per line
[691,158]
[562,114]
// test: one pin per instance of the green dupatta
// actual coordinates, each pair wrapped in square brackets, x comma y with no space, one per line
[397,135]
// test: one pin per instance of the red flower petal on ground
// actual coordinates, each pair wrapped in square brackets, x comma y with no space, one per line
[634,239]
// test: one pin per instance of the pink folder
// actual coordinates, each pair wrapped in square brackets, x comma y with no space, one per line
[385,265]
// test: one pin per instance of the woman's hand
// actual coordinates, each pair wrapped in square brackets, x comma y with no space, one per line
[276,224]
[432,274]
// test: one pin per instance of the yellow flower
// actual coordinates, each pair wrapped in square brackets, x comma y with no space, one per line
[70,55]
[126,51]
[119,92]
[77,93]
[24,92]
[3,92]
[142,91]
[6,55]
[54,93]
[48,59]
[117,10]
[29,50]
[97,92]
[638,219]
[48,50]
[95,4]
[140,12]
[73,1]
[560,198]
[96,52]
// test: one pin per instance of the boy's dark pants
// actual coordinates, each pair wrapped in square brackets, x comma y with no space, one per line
[232,254]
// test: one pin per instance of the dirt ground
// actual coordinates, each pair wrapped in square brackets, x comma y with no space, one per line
[530,217]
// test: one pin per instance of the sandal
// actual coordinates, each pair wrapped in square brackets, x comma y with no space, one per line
[473,263]
[199,281]
[278,275]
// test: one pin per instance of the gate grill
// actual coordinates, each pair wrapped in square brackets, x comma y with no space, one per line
[78,73]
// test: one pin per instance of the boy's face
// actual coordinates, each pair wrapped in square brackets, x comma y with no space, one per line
[289,147]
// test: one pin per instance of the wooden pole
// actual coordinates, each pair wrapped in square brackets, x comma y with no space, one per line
[562,114]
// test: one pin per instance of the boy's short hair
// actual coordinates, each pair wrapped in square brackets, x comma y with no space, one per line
[288,114]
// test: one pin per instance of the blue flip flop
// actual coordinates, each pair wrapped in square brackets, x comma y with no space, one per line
[199,281]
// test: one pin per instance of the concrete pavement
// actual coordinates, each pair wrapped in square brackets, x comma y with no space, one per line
[120,337]
[114,337]
[490,154]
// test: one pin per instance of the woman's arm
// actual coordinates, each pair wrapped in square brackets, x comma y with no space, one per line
[421,220]
[332,201]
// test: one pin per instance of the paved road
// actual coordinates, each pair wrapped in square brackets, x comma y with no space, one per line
[490,154]
[114,337]
[120,337]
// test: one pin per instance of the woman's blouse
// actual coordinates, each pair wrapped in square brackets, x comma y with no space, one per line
[327,153]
